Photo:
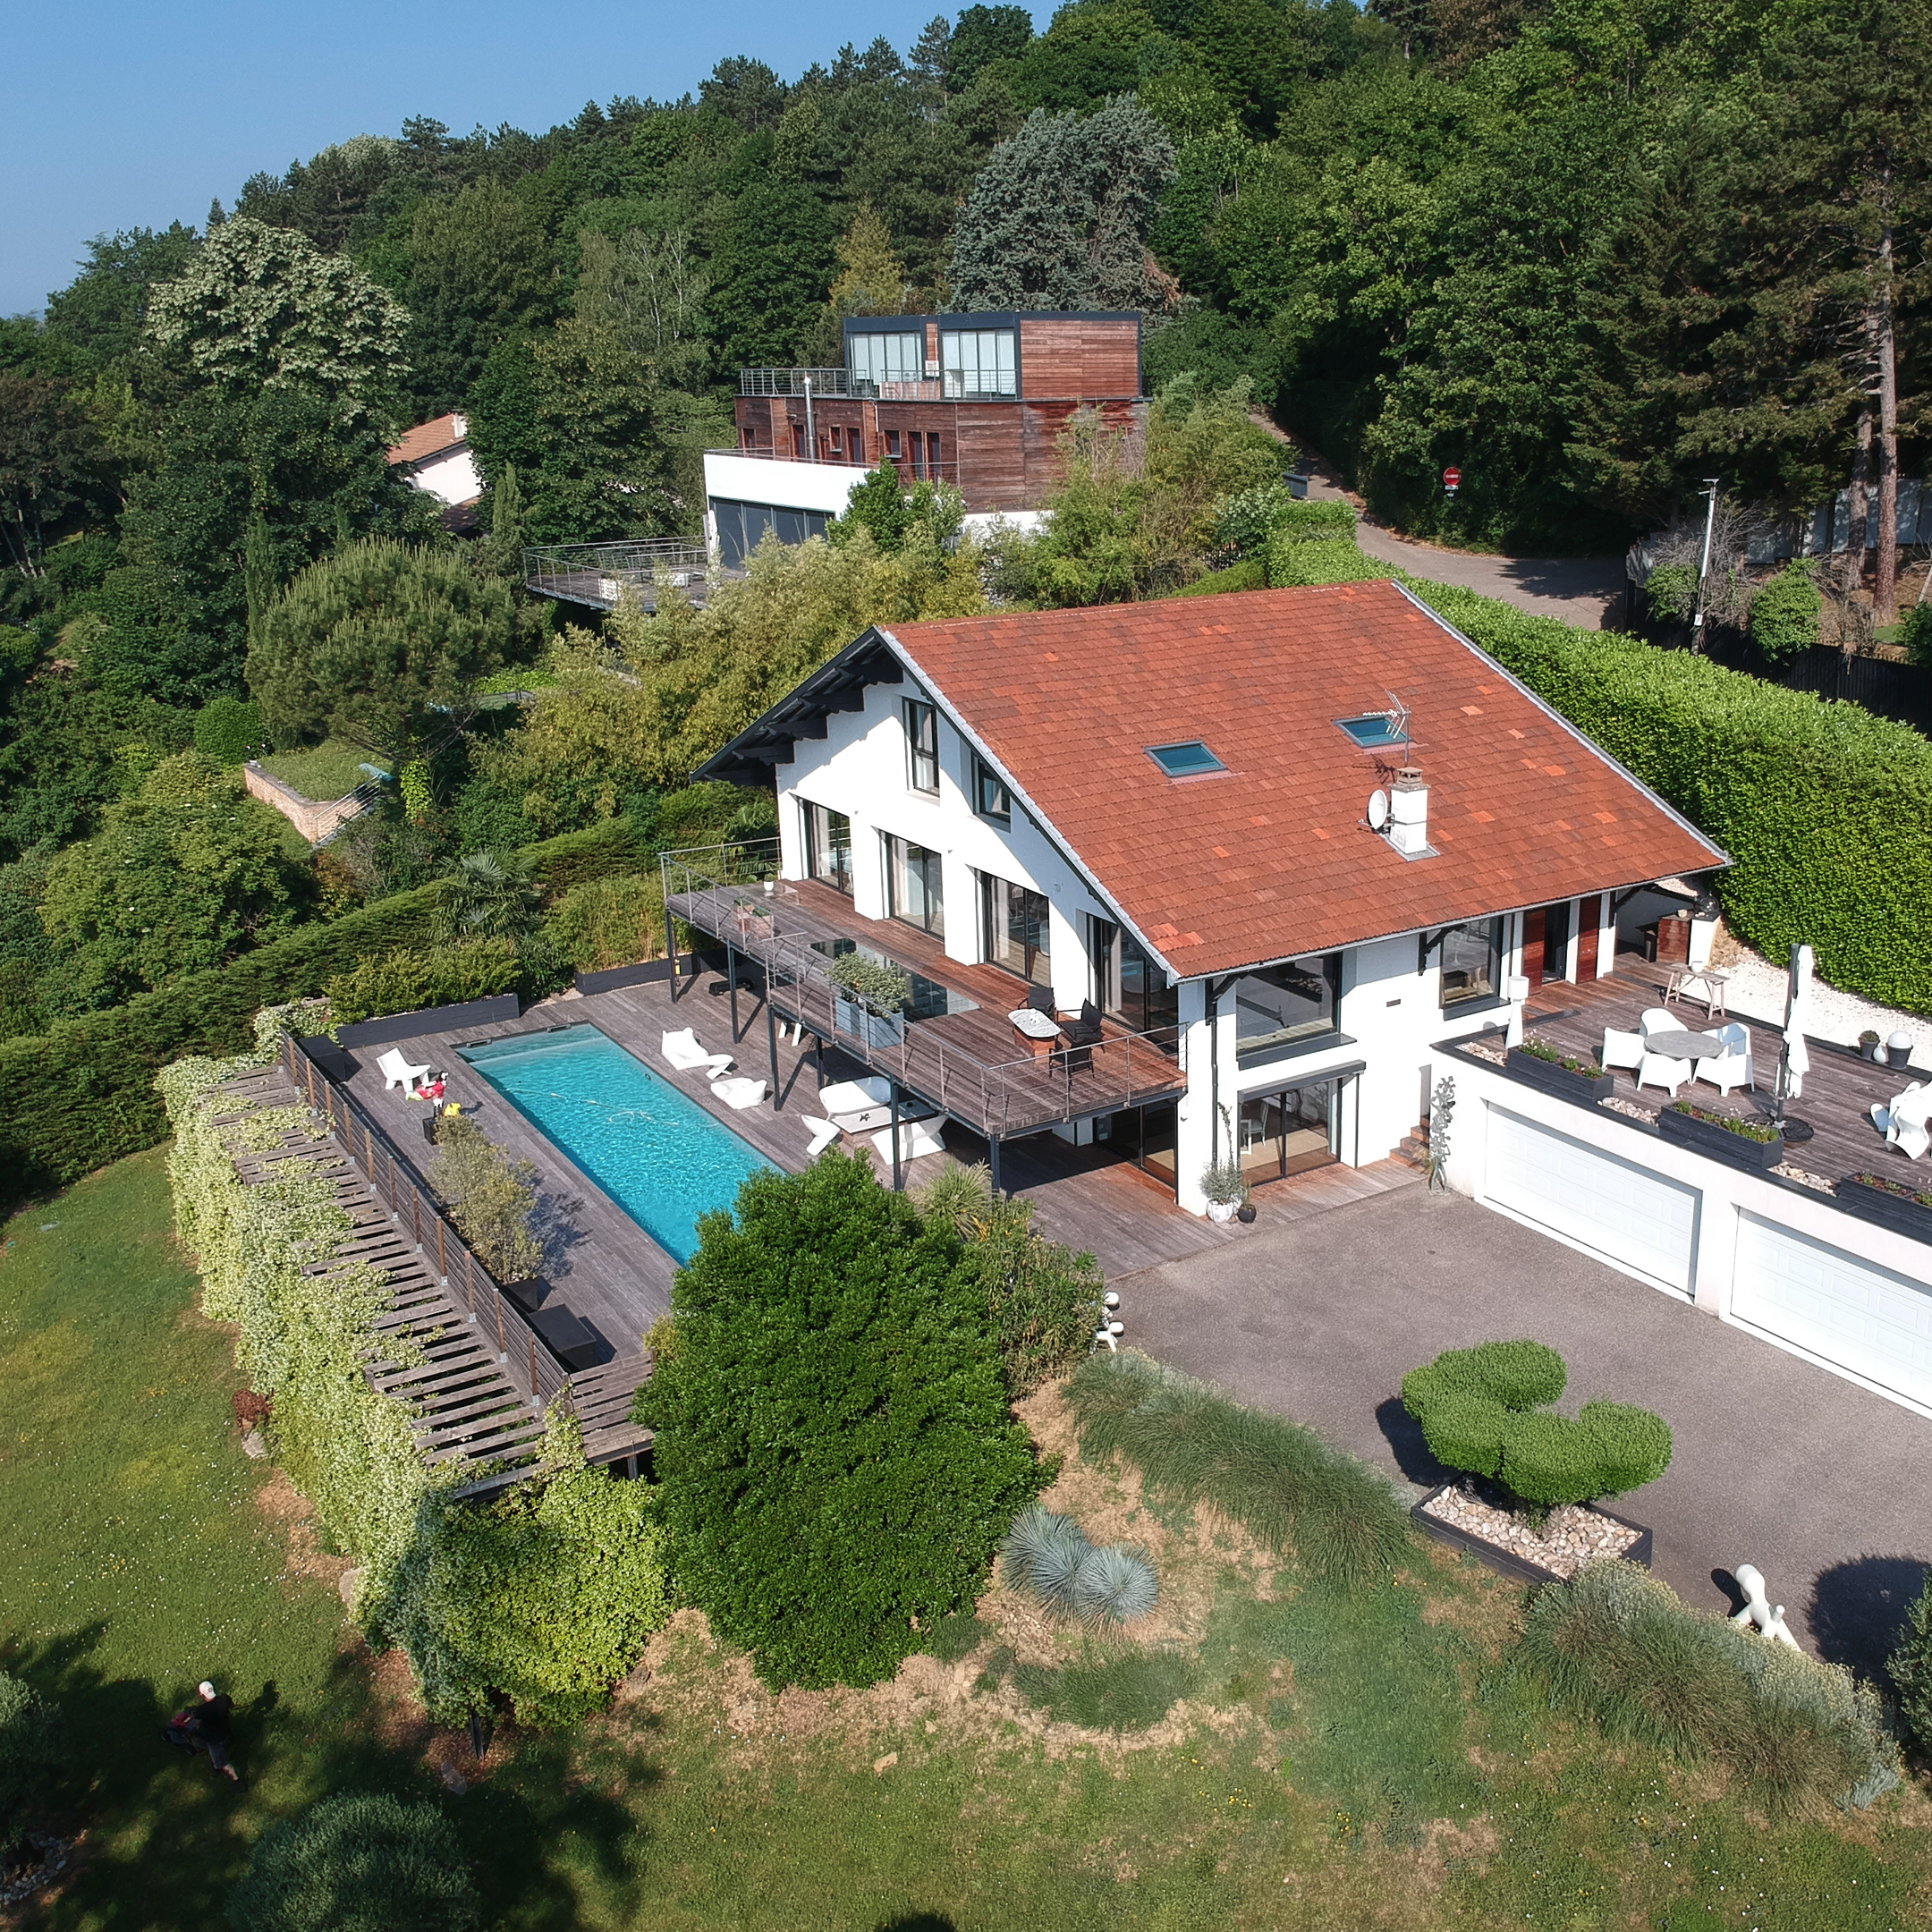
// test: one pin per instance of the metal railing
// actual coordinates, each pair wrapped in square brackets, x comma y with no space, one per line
[799,382]
[734,893]
[598,573]
[524,1357]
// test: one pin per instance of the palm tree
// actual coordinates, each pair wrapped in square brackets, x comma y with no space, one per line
[485,896]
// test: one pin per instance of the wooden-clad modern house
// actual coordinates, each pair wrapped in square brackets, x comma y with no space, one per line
[977,401]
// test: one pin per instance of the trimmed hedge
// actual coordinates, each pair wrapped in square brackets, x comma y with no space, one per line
[408,982]
[81,1094]
[1824,808]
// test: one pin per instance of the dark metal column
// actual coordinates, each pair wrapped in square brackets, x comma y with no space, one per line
[898,1182]
[730,969]
[771,1036]
[992,1146]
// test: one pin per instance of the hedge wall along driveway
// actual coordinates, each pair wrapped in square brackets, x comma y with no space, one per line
[76,1099]
[1825,809]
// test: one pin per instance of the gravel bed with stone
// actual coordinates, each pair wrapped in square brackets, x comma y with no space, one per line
[1570,1536]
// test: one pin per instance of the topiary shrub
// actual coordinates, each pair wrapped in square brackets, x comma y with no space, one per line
[226,730]
[1482,1410]
[1615,1642]
[1785,613]
[1911,1669]
[32,1742]
[833,1446]
[360,1861]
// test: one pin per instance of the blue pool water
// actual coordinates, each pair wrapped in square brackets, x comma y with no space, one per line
[651,1149]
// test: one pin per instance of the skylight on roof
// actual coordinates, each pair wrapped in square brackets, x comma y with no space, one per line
[1371,733]
[1192,759]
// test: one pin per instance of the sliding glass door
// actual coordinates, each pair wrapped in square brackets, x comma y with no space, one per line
[828,848]
[913,878]
[1128,984]
[1288,1131]
[1015,922]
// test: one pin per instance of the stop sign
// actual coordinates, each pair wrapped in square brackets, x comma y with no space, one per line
[1451,478]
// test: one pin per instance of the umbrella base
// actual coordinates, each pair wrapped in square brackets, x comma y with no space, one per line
[1795,1131]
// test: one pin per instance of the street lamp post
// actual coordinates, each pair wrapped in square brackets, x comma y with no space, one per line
[1710,518]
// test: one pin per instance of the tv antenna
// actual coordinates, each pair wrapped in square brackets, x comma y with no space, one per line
[1398,722]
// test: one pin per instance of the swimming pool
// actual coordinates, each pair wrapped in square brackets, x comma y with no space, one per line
[653,1150]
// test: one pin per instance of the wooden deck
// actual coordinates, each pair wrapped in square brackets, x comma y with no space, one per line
[603,1266]
[433,1355]
[1838,1091]
[967,1065]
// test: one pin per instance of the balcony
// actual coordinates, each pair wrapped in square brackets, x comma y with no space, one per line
[803,382]
[961,1058]
[598,574]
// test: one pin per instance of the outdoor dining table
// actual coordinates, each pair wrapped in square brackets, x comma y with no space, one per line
[1685,1045]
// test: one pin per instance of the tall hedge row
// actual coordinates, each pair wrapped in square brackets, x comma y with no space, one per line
[82,1095]
[1825,808]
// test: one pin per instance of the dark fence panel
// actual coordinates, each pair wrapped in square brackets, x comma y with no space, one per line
[649,971]
[391,1027]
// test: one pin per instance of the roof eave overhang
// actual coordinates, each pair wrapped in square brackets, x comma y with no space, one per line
[839,684]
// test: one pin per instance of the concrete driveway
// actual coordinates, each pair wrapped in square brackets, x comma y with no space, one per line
[1821,1485]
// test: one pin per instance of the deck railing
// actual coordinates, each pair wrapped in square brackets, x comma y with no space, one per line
[599,573]
[734,893]
[525,1358]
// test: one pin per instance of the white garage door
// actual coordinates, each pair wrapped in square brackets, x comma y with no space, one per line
[1833,1305]
[1611,1208]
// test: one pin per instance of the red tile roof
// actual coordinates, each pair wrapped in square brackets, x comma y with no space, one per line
[1275,858]
[431,439]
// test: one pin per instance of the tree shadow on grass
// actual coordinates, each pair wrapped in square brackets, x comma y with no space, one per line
[1858,1608]
[169,1837]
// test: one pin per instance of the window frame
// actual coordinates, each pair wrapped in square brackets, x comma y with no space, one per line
[916,714]
[822,846]
[899,854]
[992,885]
[985,781]
[1288,1044]
[1215,768]
[1493,996]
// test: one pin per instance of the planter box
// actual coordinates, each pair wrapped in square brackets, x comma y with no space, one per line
[1507,1562]
[1885,1210]
[1719,1142]
[459,1019]
[875,1031]
[1585,1089]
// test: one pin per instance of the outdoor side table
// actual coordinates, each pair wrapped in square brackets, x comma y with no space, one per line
[1037,1031]
[1712,979]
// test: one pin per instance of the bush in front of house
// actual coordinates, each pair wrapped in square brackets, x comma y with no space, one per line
[1910,1668]
[1785,613]
[358,1861]
[836,1457]
[1484,1410]
[1287,1485]
[1616,1643]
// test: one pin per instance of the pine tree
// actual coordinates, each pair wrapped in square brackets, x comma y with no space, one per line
[871,278]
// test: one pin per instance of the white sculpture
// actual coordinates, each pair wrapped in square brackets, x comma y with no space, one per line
[1757,1608]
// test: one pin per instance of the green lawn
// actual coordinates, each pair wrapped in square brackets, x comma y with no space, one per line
[1347,1761]
[329,770]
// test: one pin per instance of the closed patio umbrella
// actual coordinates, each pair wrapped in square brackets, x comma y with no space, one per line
[1796,1061]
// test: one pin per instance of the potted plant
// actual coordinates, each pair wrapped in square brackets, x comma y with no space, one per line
[1569,1076]
[1886,1203]
[872,997]
[1726,1137]
[1867,1045]
[1226,1189]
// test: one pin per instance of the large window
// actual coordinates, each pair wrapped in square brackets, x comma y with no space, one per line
[1128,983]
[828,848]
[990,799]
[977,363]
[917,892]
[1471,962]
[1287,1005]
[1287,1132]
[922,746]
[882,357]
[1014,928]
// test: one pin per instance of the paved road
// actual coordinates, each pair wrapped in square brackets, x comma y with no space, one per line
[1777,1463]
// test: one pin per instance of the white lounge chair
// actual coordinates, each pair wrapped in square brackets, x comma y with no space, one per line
[396,1072]
[739,1092]
[1906,1128]
[913,1141]
[1731,1069]
[1659,1069]
[684,1052]
[1622,1049]
[1659,1020]
[824,1132]
[858,1106]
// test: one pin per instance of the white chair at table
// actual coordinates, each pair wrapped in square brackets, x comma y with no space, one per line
[1904,1121]
[1623,1050]
[1655,1069]
[1730,1069]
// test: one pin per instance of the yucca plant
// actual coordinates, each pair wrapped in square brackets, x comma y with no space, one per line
[1114,1585]
[1044,1553]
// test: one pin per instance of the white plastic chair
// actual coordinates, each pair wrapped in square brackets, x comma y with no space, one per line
[824,1132]
[684,1052]
[739,1092]
[1907,1128]
[1622,1049]
[1659,1069]
[1659,1020]
[913,1141]
[1731,1069]
[397,1072]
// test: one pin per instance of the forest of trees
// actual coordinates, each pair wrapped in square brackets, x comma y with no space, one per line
[1590,252]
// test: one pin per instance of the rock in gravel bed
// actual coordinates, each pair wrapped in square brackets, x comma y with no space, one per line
[1570,1536]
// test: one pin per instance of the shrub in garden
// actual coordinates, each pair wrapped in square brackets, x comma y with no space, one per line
[226,730]
[1615,1642]
[613,921]
[1911,1669]
[359,1861]
[835,1450]
[436,975]
[1050,1555]
[32,1742]
[1916,633]
[1280,1479]
[490,1197]
[1785,613]
[1044,1299]
[1482,1410]
[1293,562]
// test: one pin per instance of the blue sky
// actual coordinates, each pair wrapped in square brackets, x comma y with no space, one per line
[135,115]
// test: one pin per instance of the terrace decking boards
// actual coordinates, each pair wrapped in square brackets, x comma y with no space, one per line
[433,1354]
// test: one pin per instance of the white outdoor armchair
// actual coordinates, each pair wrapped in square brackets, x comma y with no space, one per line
[1623,1049]
[1659,1069]
[396,1072]
[1904,1121]
[684,1052]
[1731,1069]
[1659,1020]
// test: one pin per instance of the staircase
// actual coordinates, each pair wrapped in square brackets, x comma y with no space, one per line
[1413,1147]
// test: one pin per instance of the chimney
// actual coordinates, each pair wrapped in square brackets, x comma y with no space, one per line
[1409,813]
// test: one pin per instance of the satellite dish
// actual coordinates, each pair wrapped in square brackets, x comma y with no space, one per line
[1377,811]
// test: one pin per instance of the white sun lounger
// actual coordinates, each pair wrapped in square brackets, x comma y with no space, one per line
[684,1052]
[858,1106]
[396,1072]
[824,1132]
[739,1092]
